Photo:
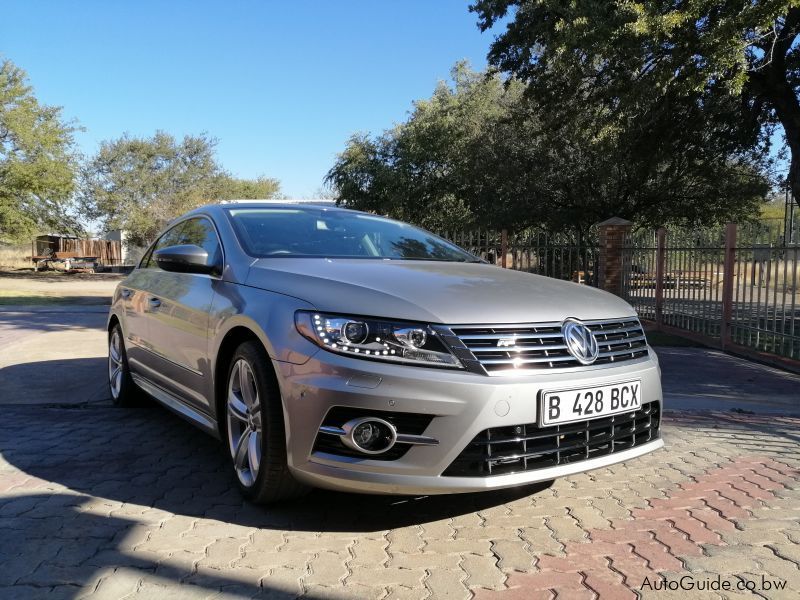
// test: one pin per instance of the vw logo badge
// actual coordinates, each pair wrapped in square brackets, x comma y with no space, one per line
[580,341]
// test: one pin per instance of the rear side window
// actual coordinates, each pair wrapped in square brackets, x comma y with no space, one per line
[198,231]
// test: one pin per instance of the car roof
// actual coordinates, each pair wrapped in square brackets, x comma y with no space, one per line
[218,208]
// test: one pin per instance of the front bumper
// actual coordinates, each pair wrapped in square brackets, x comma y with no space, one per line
[462,404]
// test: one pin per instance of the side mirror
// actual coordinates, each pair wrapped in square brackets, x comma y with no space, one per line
[185,258]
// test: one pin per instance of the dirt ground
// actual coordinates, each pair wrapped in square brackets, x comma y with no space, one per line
[26,287]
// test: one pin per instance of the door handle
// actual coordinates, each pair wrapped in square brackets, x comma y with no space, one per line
[126,293]
[154,302]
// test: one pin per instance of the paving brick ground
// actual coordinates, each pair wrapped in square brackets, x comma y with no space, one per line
[104,503]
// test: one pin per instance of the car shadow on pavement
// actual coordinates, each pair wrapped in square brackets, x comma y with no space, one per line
[55,547]
[80,484]
[149,457]
[83,489]
[54,382]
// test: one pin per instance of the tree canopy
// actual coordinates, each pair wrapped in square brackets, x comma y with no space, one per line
[38,163]
[140,184]
[482,151]
[420,170]
[631,61]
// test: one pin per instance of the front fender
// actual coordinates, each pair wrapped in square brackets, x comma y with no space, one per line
[269,315]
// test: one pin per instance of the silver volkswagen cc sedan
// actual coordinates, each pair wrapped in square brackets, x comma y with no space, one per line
[333,348]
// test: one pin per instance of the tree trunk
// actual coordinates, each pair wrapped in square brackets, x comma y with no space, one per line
[772,84]
[786,106]
[794,171]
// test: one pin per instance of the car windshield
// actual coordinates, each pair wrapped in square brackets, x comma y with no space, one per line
[306,232]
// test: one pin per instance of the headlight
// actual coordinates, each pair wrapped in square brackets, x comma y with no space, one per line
[377,339]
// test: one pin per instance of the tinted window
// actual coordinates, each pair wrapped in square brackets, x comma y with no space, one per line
[303,232]
[168,238]
[199,232]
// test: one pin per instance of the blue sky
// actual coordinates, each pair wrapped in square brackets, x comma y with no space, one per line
[282,85]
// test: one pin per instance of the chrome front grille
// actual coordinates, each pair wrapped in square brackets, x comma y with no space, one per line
[508,349]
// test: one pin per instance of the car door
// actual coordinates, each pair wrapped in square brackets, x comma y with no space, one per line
[178,306]
[134,294]
[132,299]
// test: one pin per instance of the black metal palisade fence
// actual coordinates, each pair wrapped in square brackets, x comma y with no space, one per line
[734,287]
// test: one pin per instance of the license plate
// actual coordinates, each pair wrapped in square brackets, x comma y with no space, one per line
[584,403]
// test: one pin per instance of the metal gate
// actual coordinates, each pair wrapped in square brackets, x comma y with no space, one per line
[734,286]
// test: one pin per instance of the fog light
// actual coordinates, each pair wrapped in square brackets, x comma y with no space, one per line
[366,434]
[369,435]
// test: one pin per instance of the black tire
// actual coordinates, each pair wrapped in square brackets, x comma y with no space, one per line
[128,393]
[274,481]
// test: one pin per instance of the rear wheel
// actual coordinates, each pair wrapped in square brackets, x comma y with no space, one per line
[255,429]
[123,390]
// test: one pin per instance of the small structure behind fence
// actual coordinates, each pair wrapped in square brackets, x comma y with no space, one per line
[108,253]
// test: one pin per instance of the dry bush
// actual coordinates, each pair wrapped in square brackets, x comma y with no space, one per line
[15,257]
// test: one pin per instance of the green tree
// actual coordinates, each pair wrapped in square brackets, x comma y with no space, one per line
[678,166]
[631,62]
[481,152]
[140,184]
[232,188]
[425,169]
[37,161]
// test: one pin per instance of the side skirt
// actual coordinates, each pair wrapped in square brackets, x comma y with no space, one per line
[179,408]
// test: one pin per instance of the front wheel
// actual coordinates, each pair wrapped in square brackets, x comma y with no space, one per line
[255,429]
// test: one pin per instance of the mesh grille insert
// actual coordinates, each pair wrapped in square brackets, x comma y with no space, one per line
[520,448]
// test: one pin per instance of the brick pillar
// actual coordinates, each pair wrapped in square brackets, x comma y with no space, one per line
[610,263]
[729,272]
[661,266]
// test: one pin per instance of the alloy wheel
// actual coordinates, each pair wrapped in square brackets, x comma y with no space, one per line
[116,367]
[244,422]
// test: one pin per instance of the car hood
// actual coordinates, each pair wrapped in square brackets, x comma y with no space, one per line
[435,292]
